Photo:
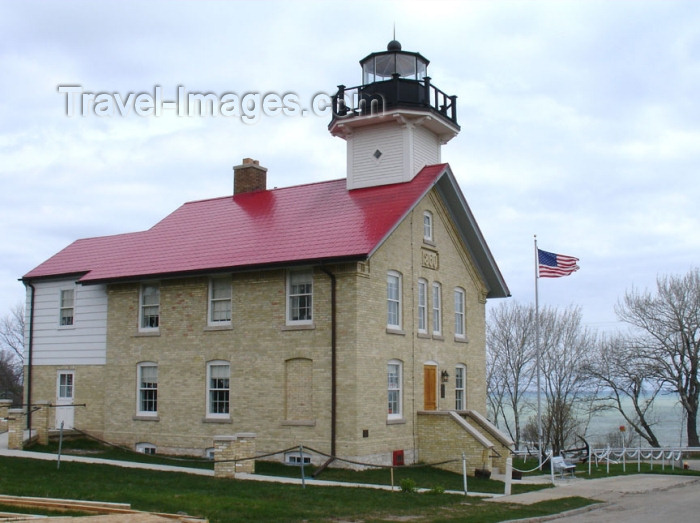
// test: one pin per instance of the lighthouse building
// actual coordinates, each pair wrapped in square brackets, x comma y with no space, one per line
[347,316]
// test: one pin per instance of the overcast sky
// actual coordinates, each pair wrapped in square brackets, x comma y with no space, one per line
[580,123]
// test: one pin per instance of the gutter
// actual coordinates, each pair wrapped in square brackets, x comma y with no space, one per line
[334,344]
[30,351]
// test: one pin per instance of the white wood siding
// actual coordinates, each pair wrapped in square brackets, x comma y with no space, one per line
[426,148]
[364,170]
[84,342]
[405,149]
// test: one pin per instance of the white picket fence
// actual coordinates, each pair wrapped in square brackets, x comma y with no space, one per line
[664,457]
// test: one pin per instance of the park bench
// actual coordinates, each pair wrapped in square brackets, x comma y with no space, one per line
[561,466]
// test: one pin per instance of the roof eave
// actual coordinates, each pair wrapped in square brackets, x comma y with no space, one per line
[471,234]
[222,270]
[26,279]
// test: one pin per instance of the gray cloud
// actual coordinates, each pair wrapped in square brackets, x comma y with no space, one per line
[579,122]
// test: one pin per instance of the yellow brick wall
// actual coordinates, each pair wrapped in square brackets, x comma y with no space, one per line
[402,252]
[299,390]
[440,439]
[258,345]
[89,389]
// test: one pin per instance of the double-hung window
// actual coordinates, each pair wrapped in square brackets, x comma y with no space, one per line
[147,377]
[460,331]
[393,297]
[150,307]
[394,395]
[437,309]
[300,297]
[218,389]
[66,306]
[460,387]
[422,306]
[220,301]
[428,226]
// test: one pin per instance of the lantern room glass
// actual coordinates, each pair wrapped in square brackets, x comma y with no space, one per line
[382,66]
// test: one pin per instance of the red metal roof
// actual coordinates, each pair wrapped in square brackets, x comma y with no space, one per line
[304,223]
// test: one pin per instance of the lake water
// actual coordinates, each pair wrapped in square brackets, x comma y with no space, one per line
[668,415]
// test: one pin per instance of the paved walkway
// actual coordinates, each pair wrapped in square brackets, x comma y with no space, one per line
[603,489]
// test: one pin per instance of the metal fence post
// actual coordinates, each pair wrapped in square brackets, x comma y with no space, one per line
[550,455]
[464,472]
[509,475]
[301,461]
[60,445]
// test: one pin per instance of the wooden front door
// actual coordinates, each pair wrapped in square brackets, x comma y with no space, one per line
[429,387]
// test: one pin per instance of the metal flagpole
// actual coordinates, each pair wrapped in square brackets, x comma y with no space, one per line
[537,355]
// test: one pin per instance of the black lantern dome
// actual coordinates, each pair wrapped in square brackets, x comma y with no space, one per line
[393,79]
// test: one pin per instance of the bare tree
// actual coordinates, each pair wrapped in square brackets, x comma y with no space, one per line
[12,332]
[565,347]
[666,332]
[510,349]
[10,378]
[12,354]
[495,387]
[626,374]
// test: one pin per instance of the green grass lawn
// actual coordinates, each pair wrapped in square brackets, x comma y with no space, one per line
[223,500]
[425,477]
[90,447]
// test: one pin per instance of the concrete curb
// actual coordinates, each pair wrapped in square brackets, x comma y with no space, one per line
[561,515]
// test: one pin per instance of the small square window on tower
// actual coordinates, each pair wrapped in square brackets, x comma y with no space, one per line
[377,154]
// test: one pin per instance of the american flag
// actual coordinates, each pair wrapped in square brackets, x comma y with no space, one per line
[552,265]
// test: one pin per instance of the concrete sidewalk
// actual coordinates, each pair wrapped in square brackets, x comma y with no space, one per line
[602,489]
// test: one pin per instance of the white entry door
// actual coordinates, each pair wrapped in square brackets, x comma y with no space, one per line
[65,385]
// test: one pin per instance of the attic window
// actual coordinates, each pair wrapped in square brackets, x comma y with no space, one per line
[377,154]
[428,226]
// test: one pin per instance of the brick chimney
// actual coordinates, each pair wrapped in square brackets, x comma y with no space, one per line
[249,177]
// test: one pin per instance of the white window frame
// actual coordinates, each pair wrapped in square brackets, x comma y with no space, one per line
[422,306]
[146,448]
[428,226]
[216,301]
[394,389]
[139,390]
[461,387]
[460,313]
[63,306]
[393,300]
[292,297]
[437,308]
[225,387]
[143,324]
[65,385]
[294,458]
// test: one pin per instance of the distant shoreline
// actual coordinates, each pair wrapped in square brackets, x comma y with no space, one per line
[670,428]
